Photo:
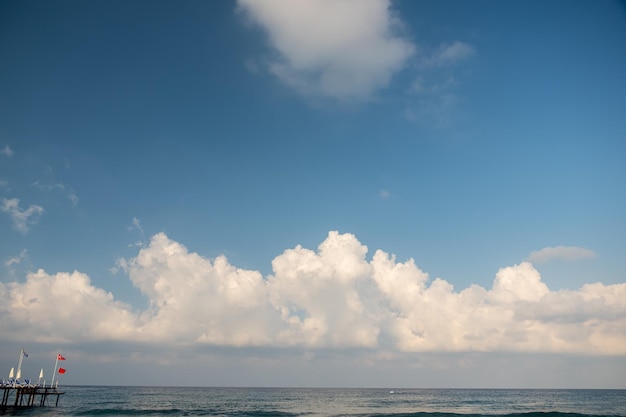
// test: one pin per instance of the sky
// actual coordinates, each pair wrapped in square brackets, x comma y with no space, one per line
[318,193]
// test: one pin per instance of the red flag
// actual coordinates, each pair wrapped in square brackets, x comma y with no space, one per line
[61,370]
[60,358]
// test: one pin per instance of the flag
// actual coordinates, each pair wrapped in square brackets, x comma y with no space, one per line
[61,370]
[24,353]
[60,358]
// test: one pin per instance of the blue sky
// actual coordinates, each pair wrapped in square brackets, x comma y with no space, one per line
[150,149]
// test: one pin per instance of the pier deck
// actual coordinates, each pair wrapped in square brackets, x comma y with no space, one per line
[27,396]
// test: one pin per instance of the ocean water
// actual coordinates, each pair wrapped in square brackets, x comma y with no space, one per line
[318,402]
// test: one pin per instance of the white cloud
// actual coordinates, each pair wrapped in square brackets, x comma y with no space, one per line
[320,295]
[16,260]
[7,151]
[62,308]
[567,253]
[196,300]
[341,49]
[331,298]
[350,49]
[21,218]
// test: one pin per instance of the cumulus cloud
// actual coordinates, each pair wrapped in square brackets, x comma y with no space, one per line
[567,253]
[197,300]
[333,297]
[62,308]
[339,49]
[348,50]
[22,218]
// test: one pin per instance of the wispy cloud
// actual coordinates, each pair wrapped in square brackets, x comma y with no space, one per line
[136,226]
[446,55]
[16,260]
[7,151]
[567,253]
[437,110]
[339,49]
[69,193]
[332,297]
[435,101]
[22,219]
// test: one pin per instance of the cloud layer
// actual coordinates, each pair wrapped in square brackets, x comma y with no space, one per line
[342,49]
[333,297]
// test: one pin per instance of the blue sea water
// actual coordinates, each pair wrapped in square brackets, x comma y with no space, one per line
[323,402]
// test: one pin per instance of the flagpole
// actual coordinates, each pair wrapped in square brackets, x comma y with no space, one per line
[54,371]
[19,365]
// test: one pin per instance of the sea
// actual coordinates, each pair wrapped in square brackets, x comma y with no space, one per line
[326,402]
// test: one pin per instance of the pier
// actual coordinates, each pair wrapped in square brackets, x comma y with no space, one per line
[28,396]
[18,392]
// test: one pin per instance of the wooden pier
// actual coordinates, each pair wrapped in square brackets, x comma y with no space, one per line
[16,396]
